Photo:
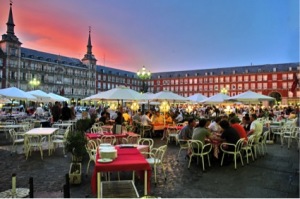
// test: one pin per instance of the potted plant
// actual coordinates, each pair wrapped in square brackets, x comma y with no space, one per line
[75,144]
[83,125]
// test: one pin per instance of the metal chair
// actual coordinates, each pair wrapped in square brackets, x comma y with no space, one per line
[197,148]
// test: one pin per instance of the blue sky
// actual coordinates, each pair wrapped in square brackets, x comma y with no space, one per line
[163,35]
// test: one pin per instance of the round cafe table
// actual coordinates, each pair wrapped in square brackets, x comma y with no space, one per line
[20,193]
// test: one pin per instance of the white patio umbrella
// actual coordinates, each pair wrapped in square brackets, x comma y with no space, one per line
[91,98]
[197,97]
[250,97]
[169,96]
[17,94]
[216,99]
[4,100]
[58,97]
[119,93]
[41,96]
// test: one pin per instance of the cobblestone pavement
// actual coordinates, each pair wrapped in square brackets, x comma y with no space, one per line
[275,175]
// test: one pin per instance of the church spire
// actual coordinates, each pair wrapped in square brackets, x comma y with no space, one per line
[89,45]
[89,58]
[10,32]
[10,22]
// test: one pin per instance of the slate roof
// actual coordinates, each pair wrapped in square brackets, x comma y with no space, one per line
[225,71]
[48,57]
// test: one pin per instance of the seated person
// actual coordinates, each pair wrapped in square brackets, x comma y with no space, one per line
[214,126]
[201,132]
[168,118]
[103,118]
[120,118]
[145,120]
[179,117]
[126,116]
[137,117]
[239,128]
[187,131]
[158,119]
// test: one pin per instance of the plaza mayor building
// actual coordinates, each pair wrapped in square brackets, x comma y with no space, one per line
[79,78]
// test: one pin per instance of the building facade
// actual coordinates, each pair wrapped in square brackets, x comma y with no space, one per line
[77,79]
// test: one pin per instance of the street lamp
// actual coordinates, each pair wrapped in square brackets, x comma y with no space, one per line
[224,90]
[144,74]
[34,82]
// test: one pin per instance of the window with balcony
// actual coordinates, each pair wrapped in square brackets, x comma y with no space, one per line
[221,79]
[195,81]
[246,78]
[216,80]
[227,79]
[240,86]
[290,76]
[211,80]
[176,82]
[252,78]
[233,79]
[284,85]
[284,76]
[259,78]
[274,85]
[274,77]
[191,81]
[265,85]
[200,80]
[253,86]
[211,87]
[265,77]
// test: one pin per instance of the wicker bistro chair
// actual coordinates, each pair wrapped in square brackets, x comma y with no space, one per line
[145,129]
[58,139]
[131,139]
[16,138]
[32,142]
[147,141]
[248,148]
[197,148]
[235,152]
[183,144]
[156,159]
[91,148]
[111,139]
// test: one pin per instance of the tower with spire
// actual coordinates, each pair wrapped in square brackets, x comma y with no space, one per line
[89,59]
[11,47]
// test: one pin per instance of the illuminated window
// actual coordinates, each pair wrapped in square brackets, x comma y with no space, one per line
[284,85]
[259,78]
[284,76]
[265,85]
[265,78]
[216,80]
[240,86]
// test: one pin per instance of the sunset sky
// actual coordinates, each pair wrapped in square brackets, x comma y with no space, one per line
[163,35]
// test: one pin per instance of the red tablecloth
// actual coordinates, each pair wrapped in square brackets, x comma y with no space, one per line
[129,159]
[119,137]
[157,127]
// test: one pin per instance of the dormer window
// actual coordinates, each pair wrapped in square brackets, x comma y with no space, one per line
[233,72]
[211,73]
[274,69]
[246,71]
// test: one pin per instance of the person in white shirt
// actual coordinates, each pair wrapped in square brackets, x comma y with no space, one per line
[145,120]
[179,117]
[256,128]
[214,126]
